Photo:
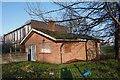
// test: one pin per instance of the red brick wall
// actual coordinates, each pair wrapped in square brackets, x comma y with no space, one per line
[98,49]
[61,29]
[91,49]
[51,26]
[38,24]
[43,25]
[53,57]
[77,51]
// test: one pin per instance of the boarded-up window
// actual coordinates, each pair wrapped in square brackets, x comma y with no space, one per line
[67,47]
[45,48]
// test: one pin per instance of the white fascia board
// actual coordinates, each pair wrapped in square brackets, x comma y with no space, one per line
[82,39]
[44,34]
[39,33]
[71,40]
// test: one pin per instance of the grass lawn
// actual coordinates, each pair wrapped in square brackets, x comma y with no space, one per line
[108,51]
[108,68]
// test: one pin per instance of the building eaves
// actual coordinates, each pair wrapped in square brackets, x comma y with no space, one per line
[65,36]
[51,37]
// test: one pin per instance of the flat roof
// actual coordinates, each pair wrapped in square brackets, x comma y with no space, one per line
[17,28]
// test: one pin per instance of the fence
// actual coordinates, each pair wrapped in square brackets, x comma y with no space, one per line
[14,57]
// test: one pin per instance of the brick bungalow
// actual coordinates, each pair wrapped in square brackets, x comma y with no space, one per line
[54,46]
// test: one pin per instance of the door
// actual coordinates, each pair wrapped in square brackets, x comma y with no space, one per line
[29,53]
[32,53]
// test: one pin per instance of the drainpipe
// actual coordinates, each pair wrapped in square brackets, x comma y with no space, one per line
[43,50]
[61,51]
[86,51]
[96,50]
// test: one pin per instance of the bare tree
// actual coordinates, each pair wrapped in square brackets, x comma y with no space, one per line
[1,38]
[98,19]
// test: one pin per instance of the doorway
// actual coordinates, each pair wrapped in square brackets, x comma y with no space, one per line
[32,53]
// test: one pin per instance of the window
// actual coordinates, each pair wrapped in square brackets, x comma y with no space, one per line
[67,47]
[26,29]
[29,28]
[23,33]
[18,34]
[45,48]
[14,36]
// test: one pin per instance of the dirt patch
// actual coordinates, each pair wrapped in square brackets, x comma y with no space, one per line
[74,60]
[25,68]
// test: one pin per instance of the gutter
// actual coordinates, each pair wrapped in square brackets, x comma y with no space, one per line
[61,50]
[71,40]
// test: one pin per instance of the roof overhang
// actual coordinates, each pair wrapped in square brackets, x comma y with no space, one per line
[39,32]
[71,39]
[48,36]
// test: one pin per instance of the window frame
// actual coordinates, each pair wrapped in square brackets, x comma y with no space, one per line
[45,49]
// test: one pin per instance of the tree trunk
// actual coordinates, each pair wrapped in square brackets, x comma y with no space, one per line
[117,43]
[117,39]
[118,56]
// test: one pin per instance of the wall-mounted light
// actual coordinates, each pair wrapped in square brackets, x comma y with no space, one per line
[43,40]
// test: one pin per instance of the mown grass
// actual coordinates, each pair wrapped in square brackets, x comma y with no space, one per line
[99,69]
[107,47]
[108,51]
[108,68]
